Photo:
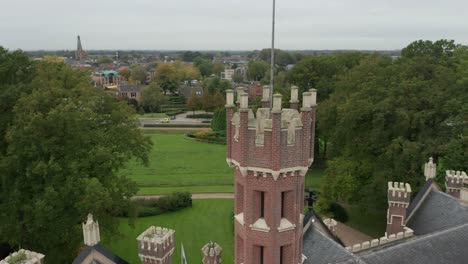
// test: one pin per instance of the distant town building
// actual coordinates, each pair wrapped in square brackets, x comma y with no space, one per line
[227,74]
[186,91]
[80,54]
[106,78]
[131,91]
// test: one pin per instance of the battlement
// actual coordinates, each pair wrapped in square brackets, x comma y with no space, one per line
[156,243]
[24,257]
[272,140]
[399,193]
[456,177]
[381,241]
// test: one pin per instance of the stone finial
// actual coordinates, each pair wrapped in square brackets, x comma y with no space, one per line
[430,169]
[24,257]
[294,94]
[306,100]
[266,93]
[229,98]
[313,101]
[331,224]
[244,100]
[211,253]
[277,100]
[91,232]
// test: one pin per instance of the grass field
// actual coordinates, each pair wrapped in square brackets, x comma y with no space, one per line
[207,220]
[177,163]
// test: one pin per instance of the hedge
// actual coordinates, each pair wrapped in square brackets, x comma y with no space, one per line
[168,203]
[200,116]
[178,125]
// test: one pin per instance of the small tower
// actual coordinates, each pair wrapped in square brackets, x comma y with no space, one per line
[211,253]
[80,54]
[399,196]
[454,182]
[430,169]
[270,152]
[156,245]
[25,257]
[91,232]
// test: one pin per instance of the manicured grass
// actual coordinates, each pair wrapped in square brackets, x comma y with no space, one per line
[179,163]
[151,115]
[207,220]
[372,223]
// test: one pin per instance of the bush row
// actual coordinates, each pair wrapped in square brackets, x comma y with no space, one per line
[168,203]
[177,125]
[200,116]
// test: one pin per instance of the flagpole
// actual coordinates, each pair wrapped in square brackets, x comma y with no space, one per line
[272,66]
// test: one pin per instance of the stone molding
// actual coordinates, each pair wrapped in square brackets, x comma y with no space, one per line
[260,225]
[381,241]
[264,172]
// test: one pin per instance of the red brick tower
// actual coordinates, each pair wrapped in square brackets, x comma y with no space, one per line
[271,153]
[399,197]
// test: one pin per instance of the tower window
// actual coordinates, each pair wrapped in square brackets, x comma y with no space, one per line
[261,254]
[283,194]
[281,254]
[262,205]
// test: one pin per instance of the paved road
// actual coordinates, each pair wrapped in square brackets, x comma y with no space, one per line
[194,196]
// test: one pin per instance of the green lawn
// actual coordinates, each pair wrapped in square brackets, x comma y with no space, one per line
[151,115]
[177,163]
[207,220]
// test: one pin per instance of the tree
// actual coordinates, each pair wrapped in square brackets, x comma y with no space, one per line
[194,102]
[207,100]
[214,84]
[170,75]
[238,77]
[126,73]
[152,97]
[65,145]
[139,75]
[218,68]
[219,119]
[257,70]
[218,100]
[205,66]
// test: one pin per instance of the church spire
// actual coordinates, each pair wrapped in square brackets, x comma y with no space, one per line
[80,54]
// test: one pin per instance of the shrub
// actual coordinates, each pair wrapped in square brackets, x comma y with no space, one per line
[200,116]
[219,120]
[168,203]
[339,213]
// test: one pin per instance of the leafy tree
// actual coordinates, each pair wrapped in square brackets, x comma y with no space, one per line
[205,66]
[207,100]
[257,70]
[238,77]
[125,72]
[218,123]
[218,67]
[194,102]
[139,75]
[65,144]
[216,84]
[438,49]
[218,99]
[152,97]
[170,75]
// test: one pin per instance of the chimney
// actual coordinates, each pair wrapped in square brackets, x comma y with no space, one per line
[211,253]
[430,169]
[454,182]
[25,257]
[294,102]
[91,232]
[399,196]
[156,245]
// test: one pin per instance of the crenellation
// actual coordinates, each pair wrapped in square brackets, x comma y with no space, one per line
[408,232]
[156,244]
[454,182]
[30,257]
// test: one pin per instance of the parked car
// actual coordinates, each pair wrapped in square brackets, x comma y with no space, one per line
[173,117]
[165,120]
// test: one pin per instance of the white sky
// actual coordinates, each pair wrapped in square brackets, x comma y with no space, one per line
[229,25]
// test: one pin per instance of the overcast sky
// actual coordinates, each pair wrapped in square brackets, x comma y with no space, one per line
[229,24]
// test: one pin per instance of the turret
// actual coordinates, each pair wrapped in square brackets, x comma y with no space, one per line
[211,253]
[156,245]
[399,197]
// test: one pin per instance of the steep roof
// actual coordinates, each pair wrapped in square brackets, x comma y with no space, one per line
[100,249]
[318,248]
[437,212]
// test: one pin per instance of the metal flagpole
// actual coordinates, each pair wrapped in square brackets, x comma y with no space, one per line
[272,66]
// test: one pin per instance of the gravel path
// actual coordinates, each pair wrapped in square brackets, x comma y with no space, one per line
[194,196]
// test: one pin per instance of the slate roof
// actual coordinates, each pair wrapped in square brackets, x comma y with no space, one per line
[101,249]
[437,212]
[440,247]
[131,87]
[319,248]
[419,197]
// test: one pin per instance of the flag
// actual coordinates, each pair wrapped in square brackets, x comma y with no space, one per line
[182,251]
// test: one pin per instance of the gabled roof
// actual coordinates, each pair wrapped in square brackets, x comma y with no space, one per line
[131,87]
[437,212]
[319,248]
[423,192]
[100,249]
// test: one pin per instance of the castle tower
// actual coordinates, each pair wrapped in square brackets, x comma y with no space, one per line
[271,153]
[24,257]
[156,245]
[211,253]
[91,232]
[399,196]
[430,169]
[454,182]
[80,54]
